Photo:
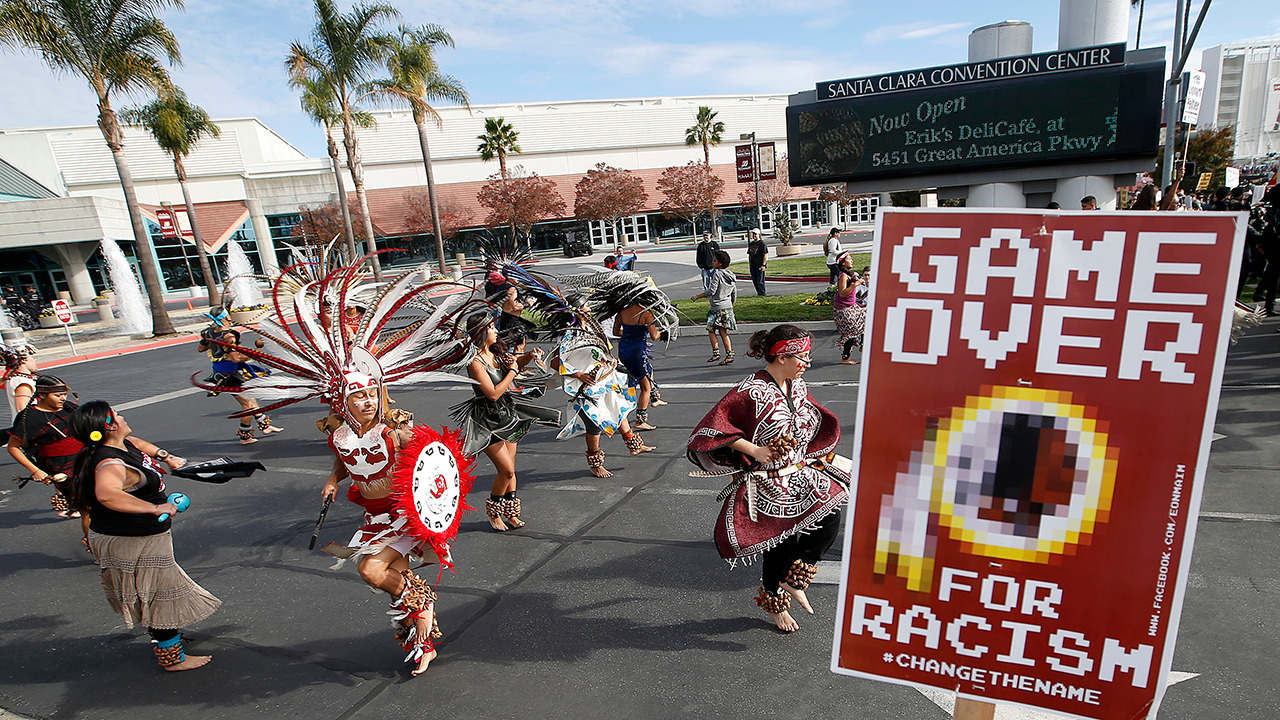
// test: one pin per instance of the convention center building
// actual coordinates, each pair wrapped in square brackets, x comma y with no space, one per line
[60,195]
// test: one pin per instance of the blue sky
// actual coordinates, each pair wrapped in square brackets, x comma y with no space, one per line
[547,50]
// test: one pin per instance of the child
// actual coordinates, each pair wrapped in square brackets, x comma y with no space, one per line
[722,291]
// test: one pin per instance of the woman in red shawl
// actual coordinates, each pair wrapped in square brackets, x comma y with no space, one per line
[785,497]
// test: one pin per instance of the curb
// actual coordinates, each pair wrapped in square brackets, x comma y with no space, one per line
[156,345]
[786,278]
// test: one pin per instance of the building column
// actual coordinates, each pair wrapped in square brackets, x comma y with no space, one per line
[72,257]
[1083,23]
[991,42]
[1071,190]
[262,236]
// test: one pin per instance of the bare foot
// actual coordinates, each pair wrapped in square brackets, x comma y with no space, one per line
[600,472]
[271,429]
[642,449]
[191,662]
[515,523]
[799,596]
[847,361]
[645,426]
[657,403]
[424,662]
[784,621]
[249,441]
[497,524]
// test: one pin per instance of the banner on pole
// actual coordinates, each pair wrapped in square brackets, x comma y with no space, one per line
[744,162]
[168,222]
[1037,400]
[768,161]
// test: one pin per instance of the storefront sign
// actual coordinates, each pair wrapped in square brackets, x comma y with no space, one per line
[1038,393]
[984,70]
[1070,117]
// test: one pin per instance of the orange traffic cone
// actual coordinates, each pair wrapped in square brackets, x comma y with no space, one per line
[189,305]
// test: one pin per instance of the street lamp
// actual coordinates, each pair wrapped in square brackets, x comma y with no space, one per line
[755,171]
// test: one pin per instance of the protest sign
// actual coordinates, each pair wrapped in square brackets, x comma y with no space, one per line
[1037,402]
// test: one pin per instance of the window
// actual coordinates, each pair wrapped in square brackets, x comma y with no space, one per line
[636,228]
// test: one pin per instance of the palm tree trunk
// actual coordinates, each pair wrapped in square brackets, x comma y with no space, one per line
[349,231]
[357,178]
[502,163]
[436,230]
[209,283]
[110,127]
[706,152]
[1137,41]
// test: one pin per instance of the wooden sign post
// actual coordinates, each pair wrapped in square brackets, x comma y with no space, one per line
[967,709]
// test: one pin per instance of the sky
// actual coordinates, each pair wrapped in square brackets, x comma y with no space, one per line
[513,51]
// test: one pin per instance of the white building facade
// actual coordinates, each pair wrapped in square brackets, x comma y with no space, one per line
[249,184]
[1242,90]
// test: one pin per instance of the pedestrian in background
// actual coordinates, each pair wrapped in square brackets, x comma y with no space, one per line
[722,291]
[707,248]
[832,249]
[757,259]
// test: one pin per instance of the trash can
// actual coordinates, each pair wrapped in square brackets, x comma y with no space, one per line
[105,313]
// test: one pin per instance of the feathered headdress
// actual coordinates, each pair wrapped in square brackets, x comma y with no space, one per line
[556,309]
[344,332]
[612,291]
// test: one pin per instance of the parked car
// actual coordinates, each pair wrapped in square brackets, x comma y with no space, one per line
[575,246]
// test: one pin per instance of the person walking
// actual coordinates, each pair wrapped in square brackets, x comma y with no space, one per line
[722,291]
[849,309]
[757,259]
[707,248]
[832,249]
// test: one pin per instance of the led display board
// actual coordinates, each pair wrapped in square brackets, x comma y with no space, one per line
[1068,117]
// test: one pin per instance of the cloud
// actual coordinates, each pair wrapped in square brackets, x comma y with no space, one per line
[914,31]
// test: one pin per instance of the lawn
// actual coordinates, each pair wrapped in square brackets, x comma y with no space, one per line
[801,267]
[756,309]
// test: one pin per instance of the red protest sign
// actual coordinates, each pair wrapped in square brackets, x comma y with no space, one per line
[1038,393]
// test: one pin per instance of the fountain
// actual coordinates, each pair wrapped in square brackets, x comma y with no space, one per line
[135,312]
[244,287]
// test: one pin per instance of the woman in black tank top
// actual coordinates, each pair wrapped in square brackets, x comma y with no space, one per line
[117,481]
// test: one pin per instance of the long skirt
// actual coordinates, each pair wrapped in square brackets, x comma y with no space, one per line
[851,323]
[144,583]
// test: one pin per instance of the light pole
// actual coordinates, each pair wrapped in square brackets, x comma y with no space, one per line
[755,171]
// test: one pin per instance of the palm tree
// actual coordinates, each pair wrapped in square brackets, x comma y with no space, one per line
[1142,6]
[415,79]
[498,140]
[177,125]
[317,103]
[345,51]
[705,131]
[115,45]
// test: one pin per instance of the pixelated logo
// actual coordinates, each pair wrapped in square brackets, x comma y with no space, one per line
[1015,473]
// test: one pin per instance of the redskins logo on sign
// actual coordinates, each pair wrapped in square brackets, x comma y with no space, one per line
[1014,474]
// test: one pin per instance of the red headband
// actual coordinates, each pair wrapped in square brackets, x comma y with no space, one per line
[793,346]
